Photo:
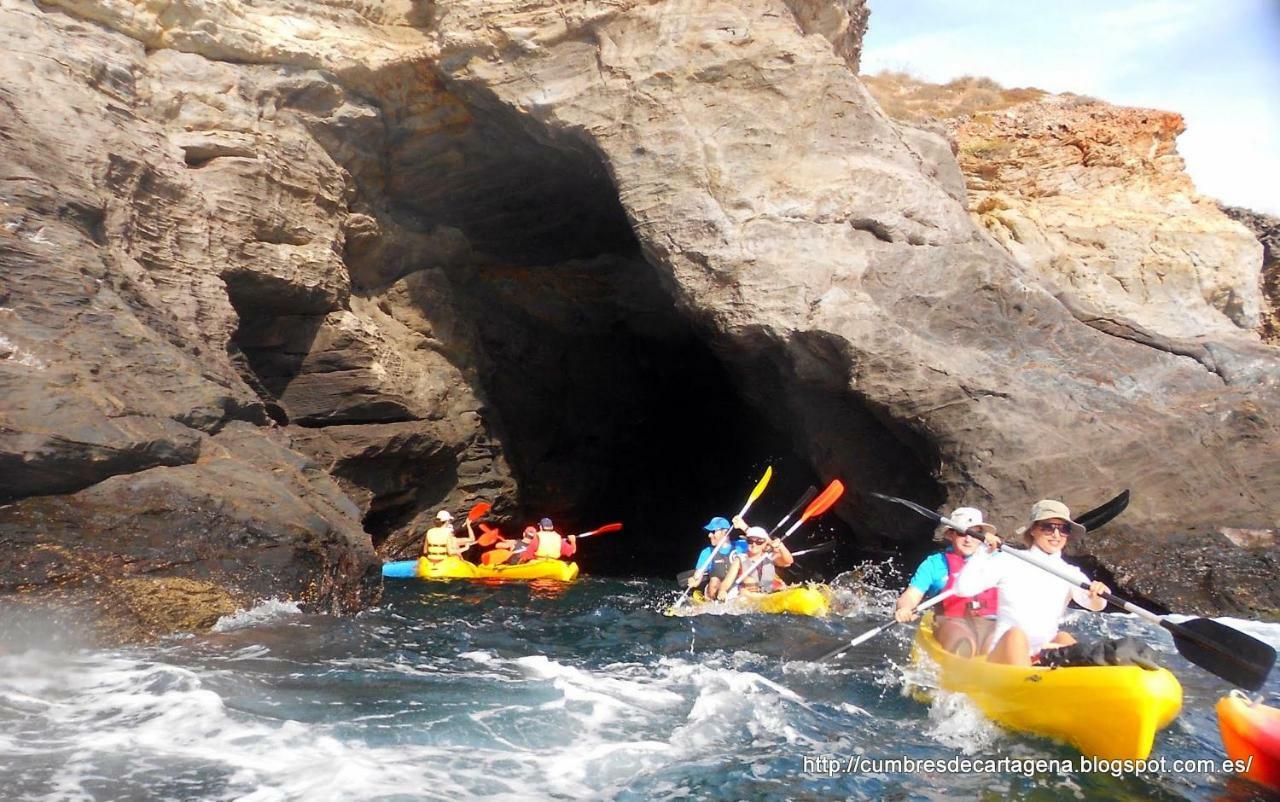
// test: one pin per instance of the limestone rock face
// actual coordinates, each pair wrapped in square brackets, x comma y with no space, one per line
[289,275]
[1095,198]
[174,286]
[1267,229]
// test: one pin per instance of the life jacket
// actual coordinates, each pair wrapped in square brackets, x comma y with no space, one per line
[548,545]
[765,576]
[437,542]
[982,605]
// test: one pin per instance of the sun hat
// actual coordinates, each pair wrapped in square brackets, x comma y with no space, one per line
[757,533]
[1046,509]
[444,515]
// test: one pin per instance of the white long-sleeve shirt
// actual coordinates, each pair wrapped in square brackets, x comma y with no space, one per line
[1030,598]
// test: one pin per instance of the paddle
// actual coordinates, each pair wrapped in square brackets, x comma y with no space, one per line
[603,530]
[488,535]
[818,506]
[1100,515]
[1239,658]
[804,499]
[868,635]
[755,494]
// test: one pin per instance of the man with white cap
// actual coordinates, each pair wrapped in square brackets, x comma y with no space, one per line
[1032,601]
[440,541]
[762,577]
[965,623]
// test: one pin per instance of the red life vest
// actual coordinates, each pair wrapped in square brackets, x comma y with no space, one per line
[984,604]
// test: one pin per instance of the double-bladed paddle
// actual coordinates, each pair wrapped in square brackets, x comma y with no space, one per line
[1237,657]
[819,505]
[698,574]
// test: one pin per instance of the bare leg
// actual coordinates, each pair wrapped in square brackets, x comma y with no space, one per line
[956,635]
[1062,639]
[713,587]
[1012,649]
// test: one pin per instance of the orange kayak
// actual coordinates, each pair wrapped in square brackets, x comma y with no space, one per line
[1251,734]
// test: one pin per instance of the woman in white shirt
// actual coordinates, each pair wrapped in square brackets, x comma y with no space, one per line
[1032,601]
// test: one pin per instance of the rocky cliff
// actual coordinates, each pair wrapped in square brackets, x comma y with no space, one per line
[281,278]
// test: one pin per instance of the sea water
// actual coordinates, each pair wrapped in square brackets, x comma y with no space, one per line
[456,691]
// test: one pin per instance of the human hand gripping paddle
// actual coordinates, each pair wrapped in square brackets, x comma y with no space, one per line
[818,506]
[1235,656]
[477,512]
[1090,520]
[701,571]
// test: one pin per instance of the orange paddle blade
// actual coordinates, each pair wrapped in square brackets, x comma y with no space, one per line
[478,511]
[602,530]
[488,535]
[495,557]
[824,500]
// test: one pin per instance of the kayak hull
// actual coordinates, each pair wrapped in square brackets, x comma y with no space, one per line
[1110,712]
[1251,735]
[457,568]
[810,600]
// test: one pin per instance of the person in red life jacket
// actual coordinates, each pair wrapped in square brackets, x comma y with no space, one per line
[763,577]
[964,623]
[547,543]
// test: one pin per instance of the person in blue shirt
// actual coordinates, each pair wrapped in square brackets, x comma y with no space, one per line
[710,569]
[964,622]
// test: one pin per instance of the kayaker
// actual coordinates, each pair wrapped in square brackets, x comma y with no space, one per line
[763,577]
[547,543]
[713,568]
[965,623]
[440,542]
[1032,601]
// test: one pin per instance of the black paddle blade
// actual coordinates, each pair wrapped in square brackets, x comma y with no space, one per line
[809,495]
[682,578]
[925,511]
[1237,657]
[1098,516]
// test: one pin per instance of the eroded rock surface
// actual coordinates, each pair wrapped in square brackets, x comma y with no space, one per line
[291,275]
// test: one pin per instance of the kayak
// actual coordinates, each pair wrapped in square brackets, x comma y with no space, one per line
[458,568]
[1109,712]
[1251,734]
[812,600]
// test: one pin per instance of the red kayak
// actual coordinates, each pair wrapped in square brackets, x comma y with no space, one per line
[1251,734]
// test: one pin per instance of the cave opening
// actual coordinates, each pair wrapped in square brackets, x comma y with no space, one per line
[610,399]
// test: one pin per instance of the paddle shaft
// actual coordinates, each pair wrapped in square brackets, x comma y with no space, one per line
[701,570]
[868,635]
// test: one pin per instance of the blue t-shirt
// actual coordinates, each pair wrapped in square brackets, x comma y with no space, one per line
[739,546]
[931,577]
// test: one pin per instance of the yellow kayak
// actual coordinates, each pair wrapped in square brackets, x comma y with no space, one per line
[1110,712]
[458,568]
[812,600]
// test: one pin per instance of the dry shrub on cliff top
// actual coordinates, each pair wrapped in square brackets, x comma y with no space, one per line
[907,98]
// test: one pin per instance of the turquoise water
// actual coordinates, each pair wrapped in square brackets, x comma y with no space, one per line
[463,691]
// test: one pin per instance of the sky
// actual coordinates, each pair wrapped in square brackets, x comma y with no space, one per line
[1216,62]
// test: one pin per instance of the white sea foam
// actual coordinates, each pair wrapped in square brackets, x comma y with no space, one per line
[266,612]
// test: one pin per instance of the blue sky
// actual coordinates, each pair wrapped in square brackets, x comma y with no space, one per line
[1216,63]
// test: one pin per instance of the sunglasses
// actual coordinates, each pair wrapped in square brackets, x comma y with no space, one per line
[1062,529]
[756,541]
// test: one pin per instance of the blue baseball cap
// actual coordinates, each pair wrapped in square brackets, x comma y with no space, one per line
[717,523]
[545,522]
